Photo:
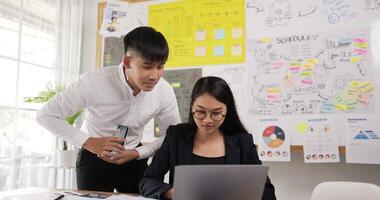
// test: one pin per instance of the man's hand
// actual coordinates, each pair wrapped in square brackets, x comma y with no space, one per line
[122,157]
[169,194]
[104,145]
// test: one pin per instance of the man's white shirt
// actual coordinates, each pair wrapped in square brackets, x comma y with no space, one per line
[108,101]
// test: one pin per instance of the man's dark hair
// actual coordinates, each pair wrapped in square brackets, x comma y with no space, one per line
[219,89]
[148,42]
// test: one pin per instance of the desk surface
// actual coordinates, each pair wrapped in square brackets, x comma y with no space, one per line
[34,193]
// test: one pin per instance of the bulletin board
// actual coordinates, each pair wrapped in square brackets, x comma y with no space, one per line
[293,65]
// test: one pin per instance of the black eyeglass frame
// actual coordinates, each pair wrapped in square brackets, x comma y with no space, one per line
[211,114]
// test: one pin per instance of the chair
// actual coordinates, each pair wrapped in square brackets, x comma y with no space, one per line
[345,191]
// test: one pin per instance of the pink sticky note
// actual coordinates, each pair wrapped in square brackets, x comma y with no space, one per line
[361,51]
[307,82]
[360,40]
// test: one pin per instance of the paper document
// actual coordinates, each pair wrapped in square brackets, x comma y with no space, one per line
[363,140]
[126,197]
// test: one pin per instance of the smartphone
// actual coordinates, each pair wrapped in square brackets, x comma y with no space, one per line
[122,132]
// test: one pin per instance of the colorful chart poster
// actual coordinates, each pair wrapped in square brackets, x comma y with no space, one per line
[201,32]
[320,141]
[363,140]
[310,74]
[274,140]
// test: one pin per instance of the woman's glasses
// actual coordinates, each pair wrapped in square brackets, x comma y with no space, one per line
[216,116]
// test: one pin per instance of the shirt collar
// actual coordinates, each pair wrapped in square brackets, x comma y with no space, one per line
[123,79]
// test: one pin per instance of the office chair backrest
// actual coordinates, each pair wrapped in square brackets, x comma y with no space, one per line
[345,191]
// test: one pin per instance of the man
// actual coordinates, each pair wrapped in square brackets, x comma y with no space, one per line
[128,95]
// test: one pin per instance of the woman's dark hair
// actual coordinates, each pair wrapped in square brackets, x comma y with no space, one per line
[219,89]
[148,42]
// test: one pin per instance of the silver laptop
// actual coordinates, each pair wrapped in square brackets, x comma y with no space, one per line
[219,182]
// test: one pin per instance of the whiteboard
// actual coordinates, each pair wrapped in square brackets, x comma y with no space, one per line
[273,19]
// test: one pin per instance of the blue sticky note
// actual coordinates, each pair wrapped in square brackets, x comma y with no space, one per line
[219,34]
[219,50]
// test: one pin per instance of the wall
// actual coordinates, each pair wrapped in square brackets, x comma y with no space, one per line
[88,53]
[293,180]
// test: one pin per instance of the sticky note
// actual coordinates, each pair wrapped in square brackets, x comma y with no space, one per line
[341,106]
[200,51]
[219,50]
[236,50]
[265,40]
[351,105]
[354,84]
[312,60]
[273,97]
[278,64]
[175,85]
[306,73]
[355,59]
[360,40]
[327,107]
[361,51]
[294,69]
[200,35]
[364,99]
[361,45]
[219,34]
[273,90]
[366,87]
[237,33]
[294,64]
[308,66]
[302,127]
[307,81]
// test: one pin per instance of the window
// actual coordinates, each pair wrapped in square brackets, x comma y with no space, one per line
[28,49]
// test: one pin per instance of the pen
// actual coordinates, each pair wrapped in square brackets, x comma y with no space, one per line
[59,197]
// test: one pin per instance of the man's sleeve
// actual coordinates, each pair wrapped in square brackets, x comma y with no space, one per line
[53,114]
[169,115]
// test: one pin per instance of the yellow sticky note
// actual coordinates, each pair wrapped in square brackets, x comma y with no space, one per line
[312,60]
[175,85]
[355,59]
[265,40]
[341,106]
[308,66]
[307,73]
[273,90]
[361,45]
[353,84]
[302,127]
[366,87]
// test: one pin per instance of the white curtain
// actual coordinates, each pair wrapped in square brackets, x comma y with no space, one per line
[69,37]
[40,43]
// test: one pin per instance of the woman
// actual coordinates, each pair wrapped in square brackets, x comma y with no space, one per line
[213,135]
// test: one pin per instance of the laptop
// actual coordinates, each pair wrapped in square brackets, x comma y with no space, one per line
[219,182]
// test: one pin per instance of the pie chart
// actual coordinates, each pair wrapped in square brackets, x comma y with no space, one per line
[273,136]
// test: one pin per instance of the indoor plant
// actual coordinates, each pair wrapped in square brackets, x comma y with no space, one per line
[65,157]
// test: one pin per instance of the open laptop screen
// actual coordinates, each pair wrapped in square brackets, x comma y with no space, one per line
[219,182]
